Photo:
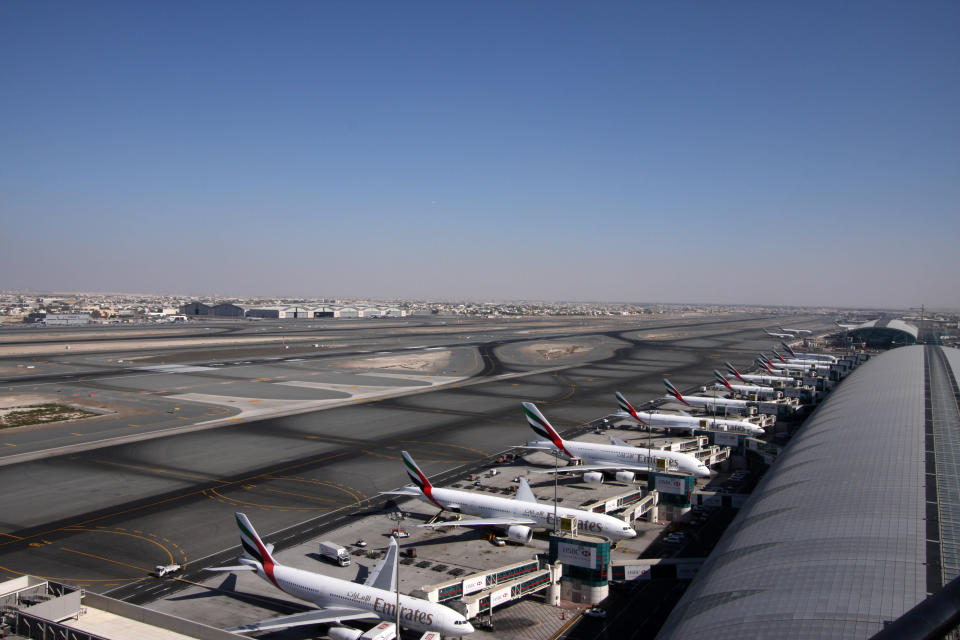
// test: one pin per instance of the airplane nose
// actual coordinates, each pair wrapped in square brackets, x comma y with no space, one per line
[633,534]
[467,628]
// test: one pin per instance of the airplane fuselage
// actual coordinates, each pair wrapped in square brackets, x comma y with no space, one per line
[711,401]
[326,591]
[721,425]
[763,392]
[487,506]
[599,453]
[767,379]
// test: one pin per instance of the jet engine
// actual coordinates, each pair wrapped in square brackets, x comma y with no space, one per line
[593,477]
[344,633]
[625,476]
[519,533]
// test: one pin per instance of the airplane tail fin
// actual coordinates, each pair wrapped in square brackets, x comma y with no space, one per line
[674,391]
[721,379]
[418,477]
[789,350]
[763,363]
[542,427]
[778,355]
[733,371]
[767,332]
[252,545]
[626,406]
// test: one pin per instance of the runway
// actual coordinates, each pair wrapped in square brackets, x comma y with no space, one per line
[101,518]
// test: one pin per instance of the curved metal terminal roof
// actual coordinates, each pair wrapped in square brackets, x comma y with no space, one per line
[886,331]
[832,542]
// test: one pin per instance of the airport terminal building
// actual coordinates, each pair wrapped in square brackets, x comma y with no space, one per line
[856,522]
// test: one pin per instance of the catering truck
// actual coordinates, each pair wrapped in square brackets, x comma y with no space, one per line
[334,552]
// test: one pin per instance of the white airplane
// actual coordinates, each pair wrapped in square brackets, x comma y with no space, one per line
[762,392]
[811,363]
[685,421]
[786,336]
[809,356]
[616,456]
[762,379]
[517,517]
[846,326]
[788,366]
[340,600]
[710,403]
[796,332]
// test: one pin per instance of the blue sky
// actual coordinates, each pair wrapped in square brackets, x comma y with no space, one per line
[762,152]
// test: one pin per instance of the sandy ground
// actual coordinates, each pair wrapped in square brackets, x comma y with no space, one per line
[91,404]
[422,361]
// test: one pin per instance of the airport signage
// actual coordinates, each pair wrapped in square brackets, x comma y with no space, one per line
[472,585]
[577,555]
[636,572]
[667,484]
[725,439]
[499,597]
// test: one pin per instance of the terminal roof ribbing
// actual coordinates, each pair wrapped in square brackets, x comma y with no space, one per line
[832,542]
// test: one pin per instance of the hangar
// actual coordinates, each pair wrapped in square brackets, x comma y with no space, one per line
[855,523]
[885,333]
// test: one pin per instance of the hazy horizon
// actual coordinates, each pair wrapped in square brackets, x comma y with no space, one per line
[801,155]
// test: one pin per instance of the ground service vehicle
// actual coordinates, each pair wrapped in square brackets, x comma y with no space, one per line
[335,553]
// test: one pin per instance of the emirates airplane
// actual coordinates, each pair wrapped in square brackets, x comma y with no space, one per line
[774,334]
[762,379]
[517,517]
[710,403]
[340,600]
[617,456]
[796,332]
[764,392]
[809,356]
[685,421]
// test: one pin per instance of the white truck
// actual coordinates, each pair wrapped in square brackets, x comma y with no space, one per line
[334,552]
[166,569]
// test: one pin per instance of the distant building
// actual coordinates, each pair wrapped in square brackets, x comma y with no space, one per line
[226,310]
[195,309]
[63,319]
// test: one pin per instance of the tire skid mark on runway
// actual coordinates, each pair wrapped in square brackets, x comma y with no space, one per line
[175,498]
[479,452]
[158,470]
[421,458]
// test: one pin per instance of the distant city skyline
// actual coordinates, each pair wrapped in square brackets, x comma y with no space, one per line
[793,154]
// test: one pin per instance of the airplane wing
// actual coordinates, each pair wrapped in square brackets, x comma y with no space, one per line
[596,467]
[402,491]
[238,567]
[504,521]
[384,575]
[618,442]
[320,616]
